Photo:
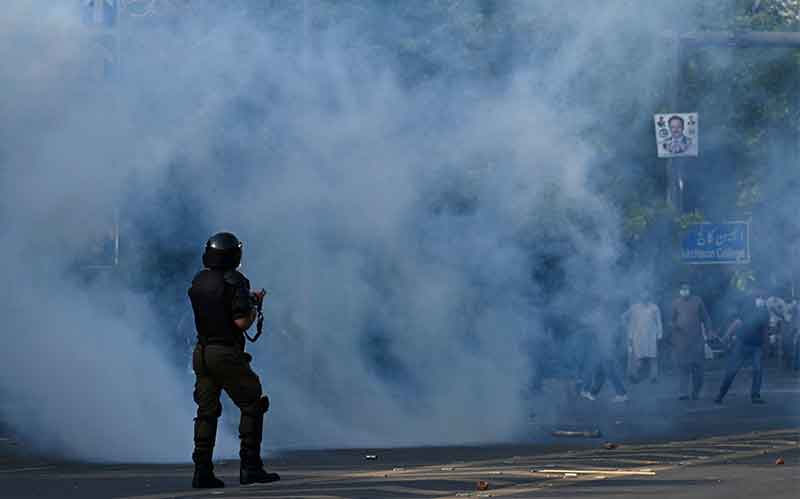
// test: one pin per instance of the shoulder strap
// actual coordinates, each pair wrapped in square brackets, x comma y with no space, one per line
[259,323]
[235,278]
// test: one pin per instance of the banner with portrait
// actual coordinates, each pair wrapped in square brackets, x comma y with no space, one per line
[676,134]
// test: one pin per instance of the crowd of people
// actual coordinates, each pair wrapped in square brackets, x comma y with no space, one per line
[682,337]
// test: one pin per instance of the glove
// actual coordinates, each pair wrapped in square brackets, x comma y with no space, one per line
[258,296]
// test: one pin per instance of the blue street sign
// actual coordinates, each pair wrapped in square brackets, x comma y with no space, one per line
[719,243]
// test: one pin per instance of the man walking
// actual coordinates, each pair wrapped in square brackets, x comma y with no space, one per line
[600,359]
[224,309]
[642,322]
[749,331]
[689,318]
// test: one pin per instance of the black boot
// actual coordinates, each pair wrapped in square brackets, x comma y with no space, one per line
[204,478]
[251,427]
[205,433]
[256,474]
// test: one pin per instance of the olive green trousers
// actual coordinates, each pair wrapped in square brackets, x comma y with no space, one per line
[218,368]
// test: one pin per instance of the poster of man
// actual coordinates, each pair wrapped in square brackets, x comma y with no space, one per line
[676,134]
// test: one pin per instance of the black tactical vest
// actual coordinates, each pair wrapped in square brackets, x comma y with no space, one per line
[212,302]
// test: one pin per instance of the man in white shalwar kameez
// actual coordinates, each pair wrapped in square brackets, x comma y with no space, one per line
[643,324]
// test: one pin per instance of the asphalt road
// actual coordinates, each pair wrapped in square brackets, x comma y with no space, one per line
[659,447]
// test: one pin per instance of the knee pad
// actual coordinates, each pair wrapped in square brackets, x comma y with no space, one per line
[257,408]
[210,413]
[263,404]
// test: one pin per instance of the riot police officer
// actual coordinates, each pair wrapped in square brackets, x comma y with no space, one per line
[224,308]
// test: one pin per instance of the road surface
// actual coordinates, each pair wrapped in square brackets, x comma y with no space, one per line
[652,446]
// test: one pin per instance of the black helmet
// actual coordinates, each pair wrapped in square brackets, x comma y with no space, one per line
[223,251]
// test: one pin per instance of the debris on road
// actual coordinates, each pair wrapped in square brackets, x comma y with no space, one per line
[610,446]
[578,433]
[616,472]
[482,485]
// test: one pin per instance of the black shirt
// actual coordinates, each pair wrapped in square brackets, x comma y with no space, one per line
[218,298]
[755,321]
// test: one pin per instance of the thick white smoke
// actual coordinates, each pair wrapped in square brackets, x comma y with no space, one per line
[396,224]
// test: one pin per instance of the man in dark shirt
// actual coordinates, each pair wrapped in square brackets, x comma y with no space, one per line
[750,333]
[224,308]
[689,323]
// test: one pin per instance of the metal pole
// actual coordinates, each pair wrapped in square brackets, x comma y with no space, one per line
[116,76]
[103,18]
[309,336]
[116,236]
[674,174]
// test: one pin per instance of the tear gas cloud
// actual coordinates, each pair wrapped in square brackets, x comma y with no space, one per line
[397,220]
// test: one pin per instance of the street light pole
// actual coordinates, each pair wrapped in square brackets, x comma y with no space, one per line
[102,18]
[676,181]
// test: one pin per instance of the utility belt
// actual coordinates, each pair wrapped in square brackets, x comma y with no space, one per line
[204,341]
[216,340]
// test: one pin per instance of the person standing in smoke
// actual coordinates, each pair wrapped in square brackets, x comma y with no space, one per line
[689,325]
[600,361]
[642,322]
[224,308]
[749,332]
[794,329]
